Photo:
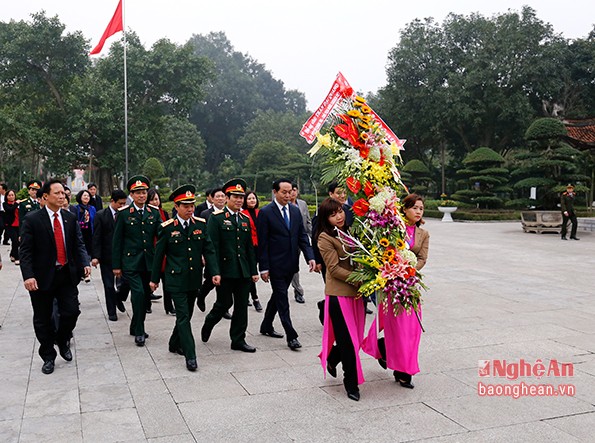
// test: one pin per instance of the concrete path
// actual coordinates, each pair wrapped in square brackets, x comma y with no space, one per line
[495,294]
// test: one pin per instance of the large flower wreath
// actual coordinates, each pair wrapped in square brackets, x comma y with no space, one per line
[355,151]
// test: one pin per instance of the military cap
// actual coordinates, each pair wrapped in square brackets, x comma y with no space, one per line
[35,184]
[235,186]
[138,183]
[569,186]
[184,194]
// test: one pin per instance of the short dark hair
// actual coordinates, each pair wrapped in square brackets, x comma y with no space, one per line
[79,196]
[91,185]
[277,183]
[118,194]
[39,193]
[295,186]
[215,190]
[208,191]
[151,195]
[328,207]
[45,189]
[245,204]
[333,186]
[4,186]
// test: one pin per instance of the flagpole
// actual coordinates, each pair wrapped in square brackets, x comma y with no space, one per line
[125,94]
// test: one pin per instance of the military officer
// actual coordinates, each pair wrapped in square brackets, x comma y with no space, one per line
[30,203]
[234,265]
[183,241]
[133,250]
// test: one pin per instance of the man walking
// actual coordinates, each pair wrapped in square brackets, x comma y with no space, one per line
[298,290]
[103,234]
[567,207]
[182,241]
[234,265]
[133,250]
[53,260]
[281,236]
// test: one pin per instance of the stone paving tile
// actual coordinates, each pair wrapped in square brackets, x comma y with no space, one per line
[105,397]
[57,428]
[204,386]
[10,430]
[111,426]
[580,426]
[52,402]
[179,438]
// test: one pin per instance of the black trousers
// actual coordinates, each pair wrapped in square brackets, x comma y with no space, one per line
[12,232]
[181,336]
[279,303]
[42,302]
[231,291]
[572,217]
[109,288]
[140,296]
[343,352]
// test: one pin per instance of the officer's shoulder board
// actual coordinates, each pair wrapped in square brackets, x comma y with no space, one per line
[242,215]
[154,207]
[123,207]
[200,219]
[167,222]
[217,211]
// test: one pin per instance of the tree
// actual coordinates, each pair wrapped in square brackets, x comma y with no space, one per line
[417,176]
[547,163]
[270,160]
[485,178]
[242,86]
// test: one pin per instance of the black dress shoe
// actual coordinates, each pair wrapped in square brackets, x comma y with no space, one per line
[227,315]
[113,317]
[120,306]
[178,351]
[244,347]
[170,312]
[200,303]
[48,367]
[139,340]
[294,344]
[332,370]
[65,352]
[574,238]
[249,303]
[382,363]
[146,335]
[205,334]
[149,311]
[257,305]
[191,364]
[155,297]
[564,237]
[300,298]
[404,379]
[272,333]
[353,395]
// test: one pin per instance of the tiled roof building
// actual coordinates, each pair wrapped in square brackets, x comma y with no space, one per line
[581,133]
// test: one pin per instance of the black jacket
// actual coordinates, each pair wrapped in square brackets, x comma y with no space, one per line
[103,233]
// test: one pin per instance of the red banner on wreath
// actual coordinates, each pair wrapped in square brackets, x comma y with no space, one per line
[339,90]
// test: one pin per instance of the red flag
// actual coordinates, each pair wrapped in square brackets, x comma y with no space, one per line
[116,24]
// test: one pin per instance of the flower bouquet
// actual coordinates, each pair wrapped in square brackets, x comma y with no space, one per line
[355,151]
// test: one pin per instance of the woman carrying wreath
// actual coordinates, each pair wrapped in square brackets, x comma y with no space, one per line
[344,315]
[398,349]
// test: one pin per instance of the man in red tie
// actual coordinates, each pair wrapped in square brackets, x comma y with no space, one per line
[53,261]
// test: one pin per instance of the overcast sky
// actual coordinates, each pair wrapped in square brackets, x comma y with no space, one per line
[303,43]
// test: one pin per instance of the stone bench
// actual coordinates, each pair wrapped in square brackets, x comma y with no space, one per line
[586,224]
[541,221]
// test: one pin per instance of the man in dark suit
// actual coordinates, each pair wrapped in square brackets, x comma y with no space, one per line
[133,249]
[281,236]
[233,262]
[207,204]
[103,233]
[95,199]
[567,207]
[53,260]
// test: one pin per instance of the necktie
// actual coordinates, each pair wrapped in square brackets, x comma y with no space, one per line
[185,224]
[140,211]
[59,237]
[285,216]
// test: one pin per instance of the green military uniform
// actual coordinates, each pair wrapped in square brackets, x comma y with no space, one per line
[133,251]
[234,260]
[183,249]
[29,204]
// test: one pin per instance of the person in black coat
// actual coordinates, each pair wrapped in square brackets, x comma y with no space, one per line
[281,236]
[95,199]
[53,261]
[103,234]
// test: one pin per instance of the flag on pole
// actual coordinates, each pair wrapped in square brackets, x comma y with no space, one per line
[116,24]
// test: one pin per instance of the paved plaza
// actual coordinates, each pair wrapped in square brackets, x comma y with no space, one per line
[495,293]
